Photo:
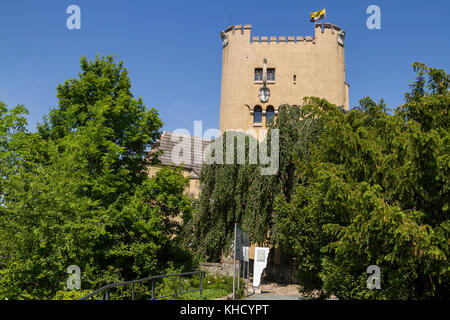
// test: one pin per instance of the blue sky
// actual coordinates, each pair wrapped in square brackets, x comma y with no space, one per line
[174,53]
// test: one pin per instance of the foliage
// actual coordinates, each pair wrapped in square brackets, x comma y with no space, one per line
[12,132]
[375,191]
[72,295]
[77,191]
[239,193]
[99,121]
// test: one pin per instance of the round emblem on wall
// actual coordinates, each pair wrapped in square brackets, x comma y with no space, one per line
[264,94]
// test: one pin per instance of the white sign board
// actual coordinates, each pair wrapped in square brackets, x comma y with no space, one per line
[260,263]
[246,251]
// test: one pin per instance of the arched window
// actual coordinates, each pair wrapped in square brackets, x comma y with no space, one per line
[270,113]
[257,115]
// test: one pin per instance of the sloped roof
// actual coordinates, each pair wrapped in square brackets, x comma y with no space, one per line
[184,151]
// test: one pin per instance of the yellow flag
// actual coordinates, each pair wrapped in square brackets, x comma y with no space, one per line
[317,15]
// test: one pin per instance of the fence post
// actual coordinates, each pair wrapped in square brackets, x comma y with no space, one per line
[107,294]
[179,287]
[239,275]
[234,261]
[153,289]
[248,274]
[132,292]
[201,285]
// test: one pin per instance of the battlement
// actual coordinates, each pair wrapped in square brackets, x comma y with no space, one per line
[330,26]
[238,28]
[282,39]
[246,30]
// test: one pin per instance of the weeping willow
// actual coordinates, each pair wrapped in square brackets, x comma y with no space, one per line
[238,193]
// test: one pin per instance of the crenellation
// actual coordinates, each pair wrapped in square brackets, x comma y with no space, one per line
[328,26]
[245,30]
[283,39]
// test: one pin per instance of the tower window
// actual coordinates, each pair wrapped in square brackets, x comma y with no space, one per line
[295,78]
[258,74]
[270,113]
[271,74]
[257,115]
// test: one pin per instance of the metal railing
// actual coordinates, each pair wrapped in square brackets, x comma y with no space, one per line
[106,289]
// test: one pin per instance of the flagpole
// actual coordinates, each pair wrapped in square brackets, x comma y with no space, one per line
[234,261]
[324,19]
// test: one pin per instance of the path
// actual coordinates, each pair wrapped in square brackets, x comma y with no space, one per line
[274,291]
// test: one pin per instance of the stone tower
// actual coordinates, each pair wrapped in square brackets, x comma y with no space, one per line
[261,73]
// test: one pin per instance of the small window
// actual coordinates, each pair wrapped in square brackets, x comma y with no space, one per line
[295,78]
[257,115]
[271,74]
[258,74]
[270,113]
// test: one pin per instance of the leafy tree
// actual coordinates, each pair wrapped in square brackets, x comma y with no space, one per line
[110,130]
[80,193]
[375,191]
[12,134]
[221,203]
[238,193]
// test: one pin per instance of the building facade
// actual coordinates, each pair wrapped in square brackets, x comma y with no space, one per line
[261,73]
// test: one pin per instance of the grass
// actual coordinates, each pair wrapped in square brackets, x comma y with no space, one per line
[214,286]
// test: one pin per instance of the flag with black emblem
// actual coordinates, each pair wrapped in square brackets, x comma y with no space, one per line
[318,15]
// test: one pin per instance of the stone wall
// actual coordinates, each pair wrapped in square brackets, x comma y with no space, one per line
[216,268]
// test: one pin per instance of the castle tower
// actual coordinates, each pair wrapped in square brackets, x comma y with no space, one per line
[261,73]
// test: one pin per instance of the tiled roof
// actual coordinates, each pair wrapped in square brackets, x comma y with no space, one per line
[185,151]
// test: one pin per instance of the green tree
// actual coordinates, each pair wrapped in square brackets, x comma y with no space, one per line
[81,195]
[375,191]
[99,118]
[12,134]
